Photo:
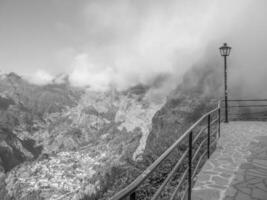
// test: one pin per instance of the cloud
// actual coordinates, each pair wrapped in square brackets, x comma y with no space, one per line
[124,42]
[86,74]
[131,42]
[40,77]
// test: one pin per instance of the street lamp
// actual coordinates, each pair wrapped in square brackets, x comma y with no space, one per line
[225,51]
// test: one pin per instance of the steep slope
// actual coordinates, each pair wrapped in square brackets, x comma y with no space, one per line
[23,106]
[198,93]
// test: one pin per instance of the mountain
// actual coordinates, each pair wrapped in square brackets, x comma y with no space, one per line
[23,109]
[62,142]
[197,94]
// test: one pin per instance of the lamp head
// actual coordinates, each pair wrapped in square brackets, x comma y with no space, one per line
[225,50]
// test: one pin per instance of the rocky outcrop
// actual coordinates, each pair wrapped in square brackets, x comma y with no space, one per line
[198,93]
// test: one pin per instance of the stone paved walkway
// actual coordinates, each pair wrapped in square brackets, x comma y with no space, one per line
[237,170]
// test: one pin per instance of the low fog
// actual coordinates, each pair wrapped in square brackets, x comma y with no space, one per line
[126,42]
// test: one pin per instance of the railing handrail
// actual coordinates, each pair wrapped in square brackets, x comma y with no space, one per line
[245,100]
[247,109]
[142,177]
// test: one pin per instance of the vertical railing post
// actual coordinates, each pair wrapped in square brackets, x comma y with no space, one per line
[208,136]
[225,90]
[219,118]
[190,165]
[133,196]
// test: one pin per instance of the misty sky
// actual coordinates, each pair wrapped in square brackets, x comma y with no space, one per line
[124,42]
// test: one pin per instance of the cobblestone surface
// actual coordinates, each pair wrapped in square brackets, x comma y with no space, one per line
[237,170]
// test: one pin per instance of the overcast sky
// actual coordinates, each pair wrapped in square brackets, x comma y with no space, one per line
[124,42]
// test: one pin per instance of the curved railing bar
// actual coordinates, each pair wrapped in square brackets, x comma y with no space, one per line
[141,178]
[186,189]
[199,148]
[213,133]
[179,184]
[198,134]
[246,106]
[238,117]
[252,113]
[215,120]
[156,195]
[198,163]
[245,100]
[130,188]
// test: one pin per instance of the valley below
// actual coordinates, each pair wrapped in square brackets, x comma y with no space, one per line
[61,142]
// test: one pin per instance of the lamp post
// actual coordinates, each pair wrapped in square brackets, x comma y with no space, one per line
[225,51]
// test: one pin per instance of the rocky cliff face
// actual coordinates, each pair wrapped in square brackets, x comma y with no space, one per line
[198,93]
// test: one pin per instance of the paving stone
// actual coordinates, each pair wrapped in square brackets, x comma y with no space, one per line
[216,186]
[226,175]
[238,166]
[203,177]
[229,167]
[238,178]
[261,186]
[207,166]
[261,162]
[227,159]
[209,172]
[206,194]
[246,166]
[229,198]
[245,190]
[248,176]
[259,194]
[242,196]
[254,180]
[220,181]
[230,192]
[262,167]
[256,173]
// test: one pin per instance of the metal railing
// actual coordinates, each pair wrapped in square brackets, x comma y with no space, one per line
[247,109]
[199,139]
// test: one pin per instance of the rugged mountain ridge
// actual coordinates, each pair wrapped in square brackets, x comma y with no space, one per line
[95,143]
[79,134]
[23,108]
